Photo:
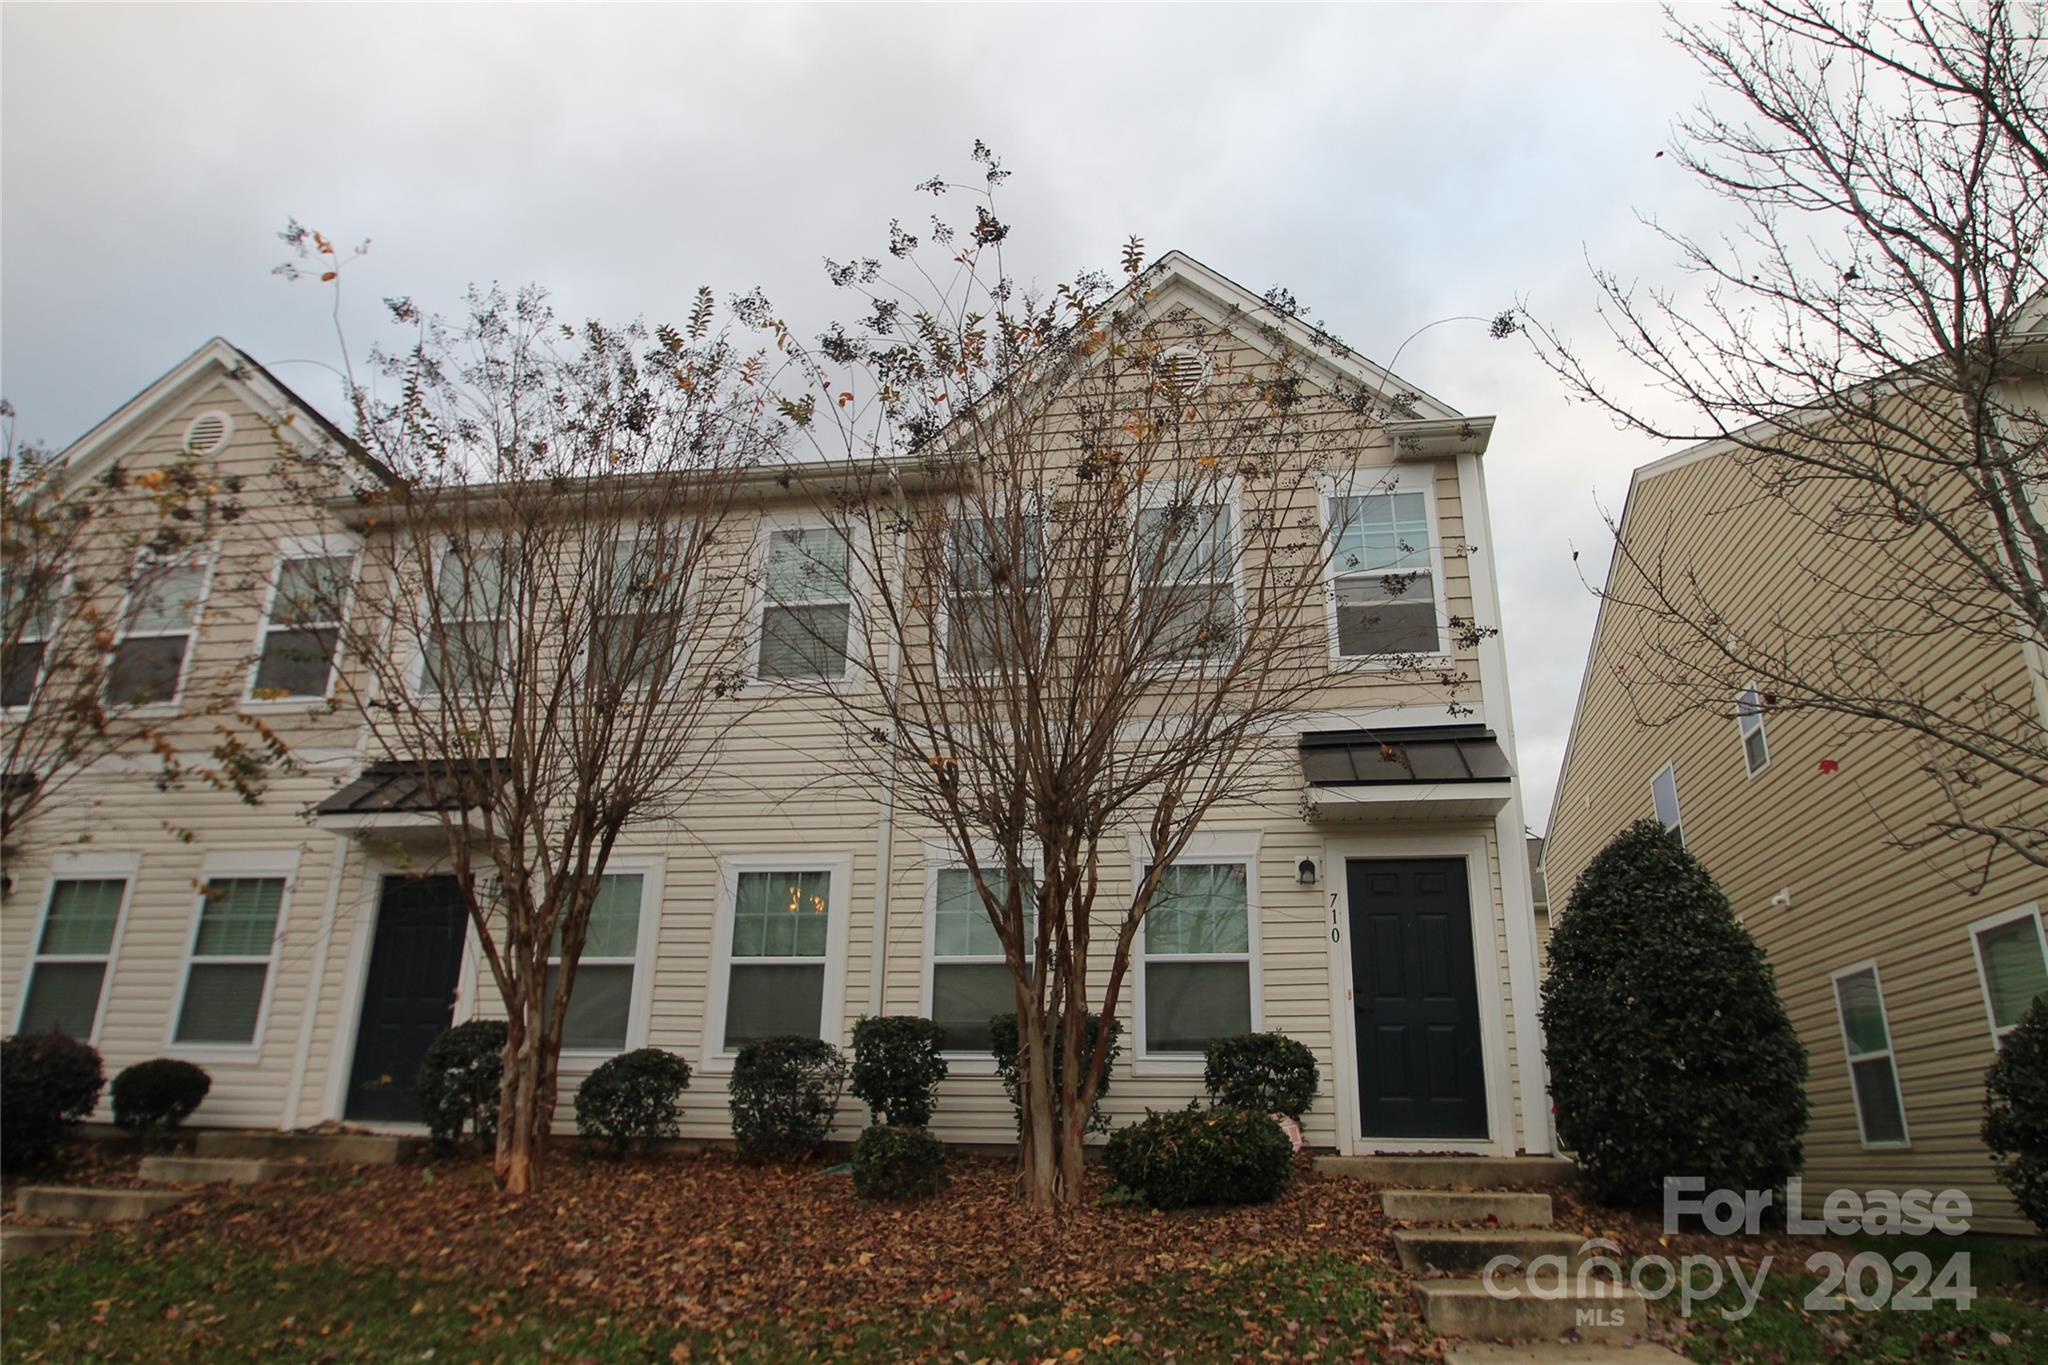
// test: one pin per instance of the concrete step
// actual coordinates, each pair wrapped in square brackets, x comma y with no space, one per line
[1450,1172]
[1467,1308]
[332,1149]
[16,1241]
[1559,1353]
[77,1204]
[215,1170]
[1502,1208]
[1468,1250]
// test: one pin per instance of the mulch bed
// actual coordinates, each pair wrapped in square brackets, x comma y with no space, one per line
[708,1241]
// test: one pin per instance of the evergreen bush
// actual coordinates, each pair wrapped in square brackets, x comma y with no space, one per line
[1002,1030]
[636,1096]
[898,1161]
[785,1096]
[48,1082]
[897,1068]
[151,1098]
[1269,1072]
[459,1080]
[1194,1156]
[2016,1113]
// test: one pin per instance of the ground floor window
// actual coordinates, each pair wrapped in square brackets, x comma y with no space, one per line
[1866,1035]
[2012,961]
[1197,968]
[600,1012]
[233,950]
[74,949]
[778,929]
[971,981]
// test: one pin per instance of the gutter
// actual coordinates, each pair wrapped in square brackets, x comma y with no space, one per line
[885,830]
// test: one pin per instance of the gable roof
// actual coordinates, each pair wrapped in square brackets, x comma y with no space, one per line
[218,361]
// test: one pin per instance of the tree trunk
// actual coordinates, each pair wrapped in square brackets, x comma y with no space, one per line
[526,1099]
[1037,1138]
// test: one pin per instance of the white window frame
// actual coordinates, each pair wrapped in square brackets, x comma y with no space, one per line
[206,555]
[757,605]
[685,631]
[1229,493]
[717,1057]
[1749,719]
[83,867]
[254,864]
[335,546]
[1889,1053]
[2031,910]
[440,548]
[50,629]
[652,870]
[944,858]
[1385,483]
[1202,850]
[961,515]
[1669,770]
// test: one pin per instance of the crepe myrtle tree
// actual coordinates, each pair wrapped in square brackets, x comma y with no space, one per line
[100,579]
[1869,343]
[542,627]
[1089,606]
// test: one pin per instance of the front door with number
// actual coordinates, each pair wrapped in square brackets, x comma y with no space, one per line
[408,994]
[1415,999]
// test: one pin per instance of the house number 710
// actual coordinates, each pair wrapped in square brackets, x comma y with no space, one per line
[1334,938]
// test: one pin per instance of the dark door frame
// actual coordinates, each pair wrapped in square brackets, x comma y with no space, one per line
[1482,893]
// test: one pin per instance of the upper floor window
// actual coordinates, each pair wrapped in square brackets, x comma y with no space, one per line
[302,627]
[1385,581]
[1187,577]
[806,606]
[1664,796]
[1749,720]
[158,623]
[27,617]
[2012,962]
[1867,1038]
[465,643]
[987,576]
[634,625]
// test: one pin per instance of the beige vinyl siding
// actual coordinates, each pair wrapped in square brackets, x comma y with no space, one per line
[1829,840]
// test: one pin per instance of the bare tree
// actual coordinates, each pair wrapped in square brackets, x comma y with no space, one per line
[1868,345]
[1100,611]
[542,635]
[99,583]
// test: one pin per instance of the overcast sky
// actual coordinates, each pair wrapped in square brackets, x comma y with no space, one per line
[1391,166]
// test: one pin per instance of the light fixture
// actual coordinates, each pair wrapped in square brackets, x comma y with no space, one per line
[1305,873]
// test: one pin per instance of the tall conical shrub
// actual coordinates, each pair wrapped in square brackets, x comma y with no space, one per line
[1670,1053]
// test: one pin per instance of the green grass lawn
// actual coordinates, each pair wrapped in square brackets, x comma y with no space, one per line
[112,1300]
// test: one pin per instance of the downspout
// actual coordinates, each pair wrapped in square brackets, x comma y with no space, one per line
[337,864]
[885,829]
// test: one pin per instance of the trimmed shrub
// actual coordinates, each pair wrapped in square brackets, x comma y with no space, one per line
[1269,1072]
[1002,1032]
[459,1080]
[48,1082]
[1670,1053]
[785,1095]
[153,1097]
[636,1096]
[1186,1157]
[897,1068]
[2016,1113]
[898,1161]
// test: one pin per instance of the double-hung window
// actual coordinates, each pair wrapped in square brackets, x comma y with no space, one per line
[2012,960]
[1867,1038]
[27,615]
[1187,577]
[232,957]
[1197,980]
[74,949]
[1749,721]
[158,623]
[1664,799]
[601,1005]
[807,613]
[987,573]
[971,979]
[302,628]
[778,951]
[1384,576]
[636,628]
[465,630]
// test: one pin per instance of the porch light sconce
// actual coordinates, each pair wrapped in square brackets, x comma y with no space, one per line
[1783,900]
[1305,873]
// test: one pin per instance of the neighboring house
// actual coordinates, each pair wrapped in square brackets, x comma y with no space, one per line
[1384,916]
[1901,968]
[1539,886]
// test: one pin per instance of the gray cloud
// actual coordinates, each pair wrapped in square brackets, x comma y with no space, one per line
[1391,165]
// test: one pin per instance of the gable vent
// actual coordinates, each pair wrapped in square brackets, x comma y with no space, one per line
[208,432]
[1184,369]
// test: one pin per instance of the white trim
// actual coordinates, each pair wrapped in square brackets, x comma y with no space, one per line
[1474,847]
[337,545]
[1755,706]
[838,866]
[97,865]
[316,982]
[207,556]
[1677,825]
[858,588]
[1222,848]
[1985,925]
[1889,1053]
[1390,480]
[247,865]
[942,858]
[50,627]
[652,870]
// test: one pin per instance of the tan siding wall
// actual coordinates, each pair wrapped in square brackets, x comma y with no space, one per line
[1827,840]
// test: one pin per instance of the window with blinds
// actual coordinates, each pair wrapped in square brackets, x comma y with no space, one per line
[1198,957]
[228,973]
[971,979]
[601,1003]
[807,606]
[781,932]
[67,977]
[2014,966]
